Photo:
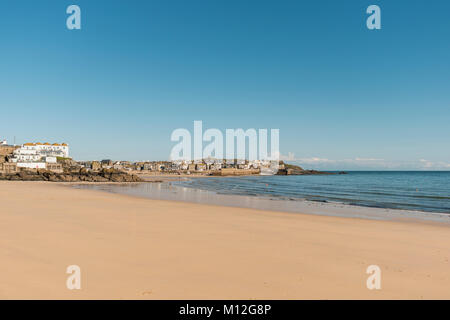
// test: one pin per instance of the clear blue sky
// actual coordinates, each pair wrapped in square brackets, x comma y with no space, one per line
[342,96]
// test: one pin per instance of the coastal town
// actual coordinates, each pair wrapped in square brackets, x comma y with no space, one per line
[55,158]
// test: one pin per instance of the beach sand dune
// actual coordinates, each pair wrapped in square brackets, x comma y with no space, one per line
[133,248]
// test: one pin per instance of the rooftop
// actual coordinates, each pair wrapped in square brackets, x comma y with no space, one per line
[32,144]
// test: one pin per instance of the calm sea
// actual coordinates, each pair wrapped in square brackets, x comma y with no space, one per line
[413,190]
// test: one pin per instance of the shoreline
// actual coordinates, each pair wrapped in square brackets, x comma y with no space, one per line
[260,202]
[303,206]
[135,248]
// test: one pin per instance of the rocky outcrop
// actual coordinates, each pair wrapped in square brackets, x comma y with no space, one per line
[291,172]
[290,169]
[79,175]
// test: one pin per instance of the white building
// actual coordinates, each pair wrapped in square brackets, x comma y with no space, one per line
[51,160]
[216,166]
[3,142]
[36,152]
[31,165]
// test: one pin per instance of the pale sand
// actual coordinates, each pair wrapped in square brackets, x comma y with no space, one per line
[132,248]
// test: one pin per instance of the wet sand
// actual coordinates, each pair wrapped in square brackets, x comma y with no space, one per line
[170,189]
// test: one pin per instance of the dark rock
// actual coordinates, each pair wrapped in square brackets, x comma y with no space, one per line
[78,175]
[99,179]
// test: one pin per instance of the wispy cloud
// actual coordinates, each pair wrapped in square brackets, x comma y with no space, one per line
[434,164]
[365,163]
[368,159]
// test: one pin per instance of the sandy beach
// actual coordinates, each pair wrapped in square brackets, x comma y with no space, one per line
[136,248]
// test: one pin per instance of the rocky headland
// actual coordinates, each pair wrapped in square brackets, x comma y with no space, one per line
[290,169]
